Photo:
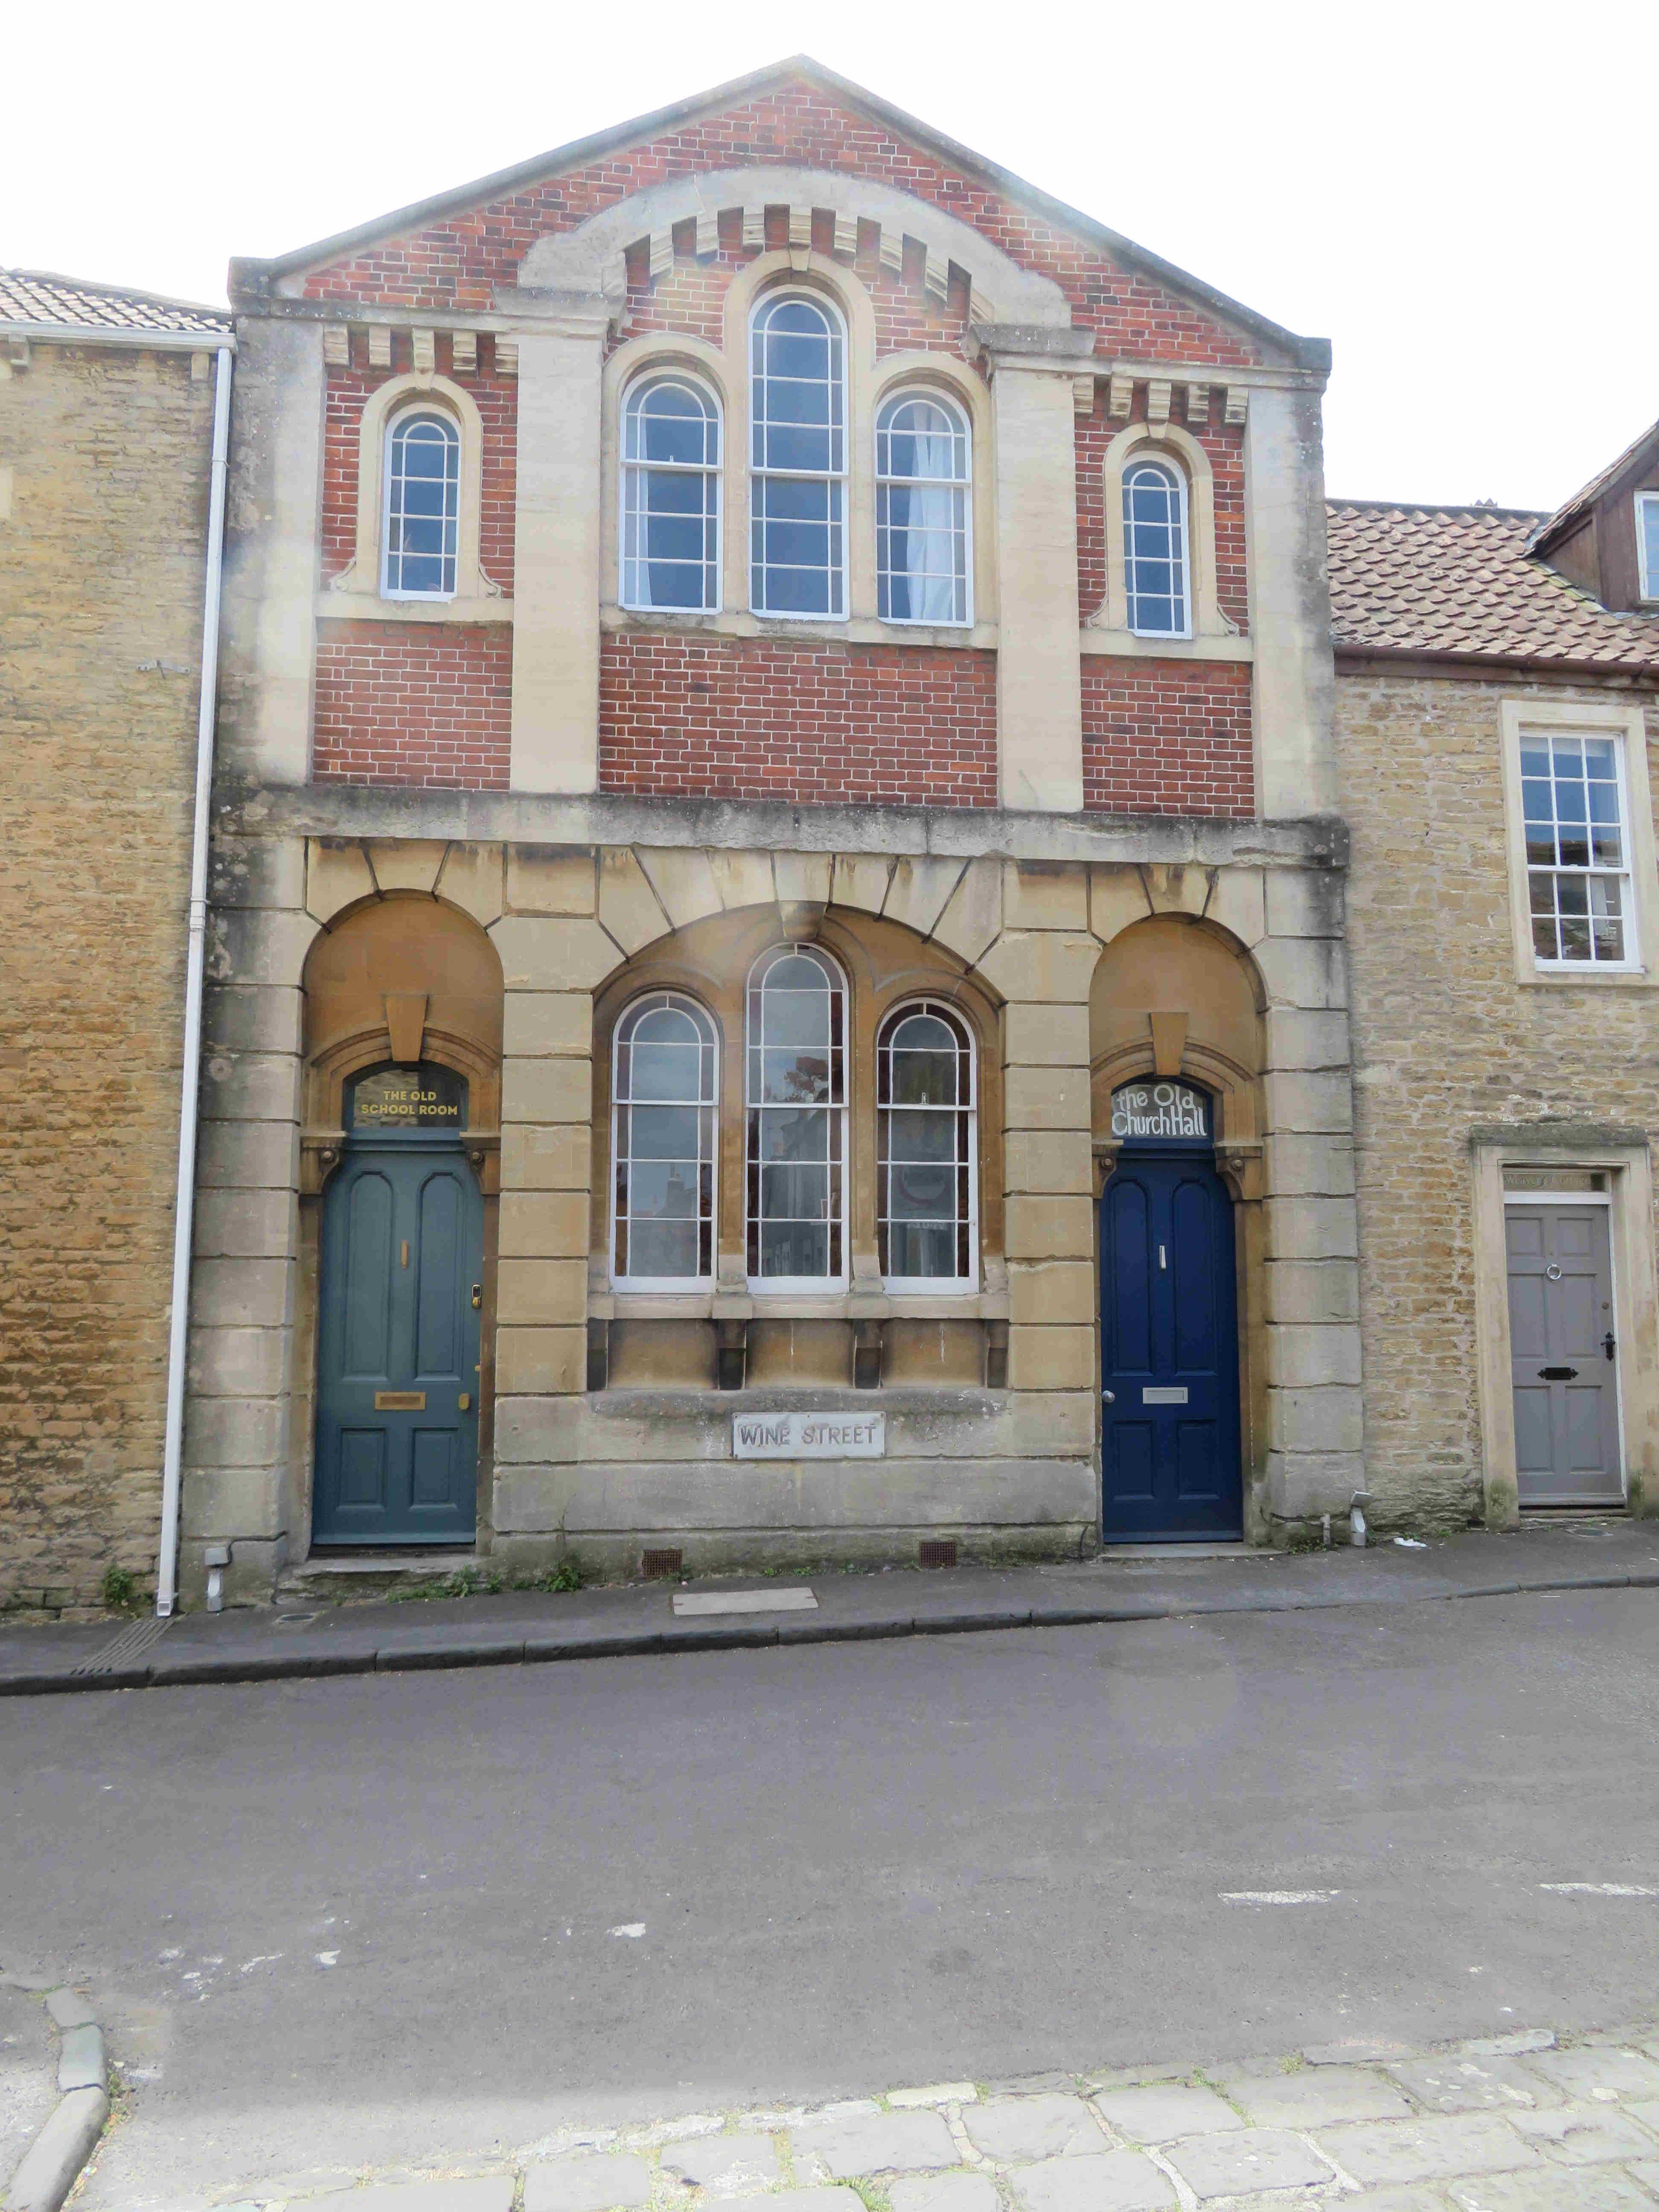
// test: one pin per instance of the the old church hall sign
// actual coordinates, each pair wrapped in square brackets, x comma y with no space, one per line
[1152,1110]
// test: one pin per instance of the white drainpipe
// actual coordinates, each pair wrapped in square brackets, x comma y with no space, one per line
[166,1568]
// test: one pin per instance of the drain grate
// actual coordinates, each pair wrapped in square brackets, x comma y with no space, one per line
[128,1644]
[937,1550]
[662,1559]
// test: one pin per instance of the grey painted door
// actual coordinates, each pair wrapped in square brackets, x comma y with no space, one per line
[1563,1356]
[398,1348]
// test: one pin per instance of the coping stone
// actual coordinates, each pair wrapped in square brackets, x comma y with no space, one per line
[1160,2114]
[879,2142]
[1024,2127]
[1262,2158]
[586,2182]
[1473,2085]
[1116,2181]
[1319,2097]
[728,2164]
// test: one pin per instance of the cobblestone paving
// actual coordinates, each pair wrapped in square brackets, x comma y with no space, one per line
[1516,2124]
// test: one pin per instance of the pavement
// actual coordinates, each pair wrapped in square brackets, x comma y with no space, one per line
[527,1627]
[1520,2122]
[28,2074]
[412,1920]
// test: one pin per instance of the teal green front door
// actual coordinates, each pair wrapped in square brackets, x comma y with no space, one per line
[397,1366]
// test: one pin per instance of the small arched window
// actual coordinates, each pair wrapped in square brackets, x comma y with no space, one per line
[925,1148]
[798,458]
[797,1136]
[922,466]
[664,1093]
[1154,550]
[671,495]
[422,506]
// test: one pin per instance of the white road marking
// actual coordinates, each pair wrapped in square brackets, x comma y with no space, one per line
[632,1928]
[1278,1896]
[1598,1889]
[772,1600]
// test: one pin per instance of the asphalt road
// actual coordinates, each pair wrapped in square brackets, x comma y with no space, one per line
[387,1916]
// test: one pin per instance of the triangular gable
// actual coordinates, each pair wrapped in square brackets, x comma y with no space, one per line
[1565,518]
[455,250]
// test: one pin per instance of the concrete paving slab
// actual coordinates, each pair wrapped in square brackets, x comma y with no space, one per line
[1118,2181]
[943,2192]
[726,2166]
[876,2142]
[1316,2096]
[585,2182]
[1608,2191]
[1157,2115]
[1586,2134]
[1473,2085]
[1256,2160]
[1427,2150]
[1599,2074]
[1023,2127]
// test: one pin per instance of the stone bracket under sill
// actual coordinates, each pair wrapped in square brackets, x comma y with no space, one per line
[736,1305]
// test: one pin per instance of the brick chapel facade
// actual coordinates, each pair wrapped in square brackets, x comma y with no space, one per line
[785,836]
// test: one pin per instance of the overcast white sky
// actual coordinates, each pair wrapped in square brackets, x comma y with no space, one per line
[1463,196]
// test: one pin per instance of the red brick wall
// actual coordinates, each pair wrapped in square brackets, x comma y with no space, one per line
[459,262]
[741,717]
[496,400]
[1224,448]
[414,703]
[1167,737]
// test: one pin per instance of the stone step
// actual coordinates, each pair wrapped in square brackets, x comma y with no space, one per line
[331,1578]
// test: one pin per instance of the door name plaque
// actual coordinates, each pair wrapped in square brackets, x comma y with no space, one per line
[809,1436]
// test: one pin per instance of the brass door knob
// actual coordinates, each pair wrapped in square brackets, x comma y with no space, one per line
[466,1401]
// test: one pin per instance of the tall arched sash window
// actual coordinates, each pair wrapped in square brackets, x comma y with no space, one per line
[671,495]
[1154,550]
[926,1147]
[798,458]
[423,507]
[922,459]
[665,1093]
[797,1100]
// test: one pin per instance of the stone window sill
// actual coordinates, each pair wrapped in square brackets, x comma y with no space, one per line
[1130,645]
[368,606]
[862,629]
[744,1305]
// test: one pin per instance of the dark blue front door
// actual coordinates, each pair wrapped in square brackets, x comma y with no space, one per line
[1169,1431]
[397,1374]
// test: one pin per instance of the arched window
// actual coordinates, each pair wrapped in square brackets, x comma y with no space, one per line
[671,495]
[922,463]
[798,458]
[665,1091]
[925,1148]
[422,506]
[1154,550]
[797,1100]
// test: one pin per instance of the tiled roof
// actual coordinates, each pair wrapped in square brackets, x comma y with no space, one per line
[1557,526]
[1459,580]
[34,297]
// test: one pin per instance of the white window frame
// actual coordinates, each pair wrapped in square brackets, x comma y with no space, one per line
[965,483]
[409,412]
[799,1287]
[935,1286]
[1647,503]
[781,296]
[1590,718]
[1167,466]
[666,1285]
[650,374]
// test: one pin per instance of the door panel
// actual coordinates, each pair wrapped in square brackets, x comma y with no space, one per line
[1565,1386]
[1169,1429]
[403,1241]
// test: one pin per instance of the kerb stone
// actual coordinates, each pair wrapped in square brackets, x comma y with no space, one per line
[1259,2158]
[601,2184]
[1159,2115]
[730,2166]
[879,2142]
[1117,2181]
[1320,2098]
[1428,2150]
[1021,2128]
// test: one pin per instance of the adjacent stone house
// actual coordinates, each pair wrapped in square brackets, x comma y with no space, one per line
[105,418]
[1496,674]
